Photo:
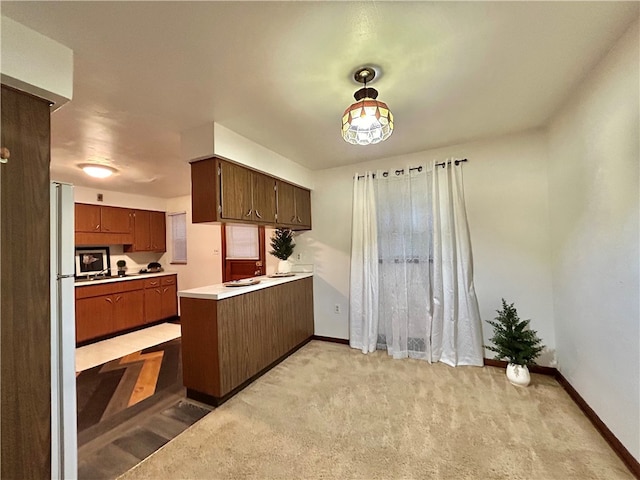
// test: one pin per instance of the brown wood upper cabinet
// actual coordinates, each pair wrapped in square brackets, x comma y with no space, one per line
[98,218]
[149,232]
[99,224]
[246,195]
[223,191]
[294,205]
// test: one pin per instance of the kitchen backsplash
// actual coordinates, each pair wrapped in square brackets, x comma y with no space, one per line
[135,261]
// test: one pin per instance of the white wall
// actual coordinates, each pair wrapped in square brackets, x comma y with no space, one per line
[230,145]
[594,192]
[204,245]
[507,205]
[35,64]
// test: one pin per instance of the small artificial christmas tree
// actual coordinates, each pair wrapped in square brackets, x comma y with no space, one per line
[282,243]
[511,338]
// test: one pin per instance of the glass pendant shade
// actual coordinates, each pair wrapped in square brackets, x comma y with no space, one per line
[366,122]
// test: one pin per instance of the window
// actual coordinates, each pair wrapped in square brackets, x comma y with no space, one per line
[178,237]
[242,241]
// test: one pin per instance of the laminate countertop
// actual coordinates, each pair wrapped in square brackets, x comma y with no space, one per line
[220,291]
[129,276]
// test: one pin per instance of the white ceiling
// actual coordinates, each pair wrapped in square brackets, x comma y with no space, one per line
[280,74]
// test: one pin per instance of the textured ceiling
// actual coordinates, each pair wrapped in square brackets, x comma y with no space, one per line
[280,74]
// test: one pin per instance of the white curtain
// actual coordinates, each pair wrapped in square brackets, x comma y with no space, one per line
[404,244]
[456,330]
[363,304]
[418,294]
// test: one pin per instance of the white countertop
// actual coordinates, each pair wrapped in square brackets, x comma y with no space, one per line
[130,276]
[220,291]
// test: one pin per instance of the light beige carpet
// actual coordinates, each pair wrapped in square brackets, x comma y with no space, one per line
[330,412]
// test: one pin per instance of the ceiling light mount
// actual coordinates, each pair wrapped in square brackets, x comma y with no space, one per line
[367,121]
[364,75]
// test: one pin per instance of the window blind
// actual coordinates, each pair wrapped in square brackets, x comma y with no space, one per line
[178,237]
[242,242]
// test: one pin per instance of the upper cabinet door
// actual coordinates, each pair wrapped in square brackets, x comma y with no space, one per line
[158,231]
[141,231]
[286,204]
[87,218]
[235,192]
[303,207]
[264,198]
[116,220]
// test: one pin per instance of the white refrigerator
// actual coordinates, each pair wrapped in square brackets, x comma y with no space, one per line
[64,436]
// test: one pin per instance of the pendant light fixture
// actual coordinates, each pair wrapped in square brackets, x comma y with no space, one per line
[367,121]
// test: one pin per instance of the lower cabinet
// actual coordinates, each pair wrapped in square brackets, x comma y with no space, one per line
[160,298]
[109,308]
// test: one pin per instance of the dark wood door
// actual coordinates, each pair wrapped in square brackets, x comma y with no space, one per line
[25,307]
[87,218]
[128,310]
[94,317]
[237,269]
[141,231]
[264,198]
[116,220]
[169,301]
[158,231]
[286,204]
[235,192]
[152,304]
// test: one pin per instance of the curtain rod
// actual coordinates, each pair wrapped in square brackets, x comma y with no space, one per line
[419,169]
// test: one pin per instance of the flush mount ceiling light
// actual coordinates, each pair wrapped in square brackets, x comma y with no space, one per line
[367,121]
[96,170]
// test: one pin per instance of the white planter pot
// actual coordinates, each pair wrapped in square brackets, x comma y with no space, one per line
[518,375]
[284,266]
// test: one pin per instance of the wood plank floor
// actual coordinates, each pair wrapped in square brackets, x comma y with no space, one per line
[129,407]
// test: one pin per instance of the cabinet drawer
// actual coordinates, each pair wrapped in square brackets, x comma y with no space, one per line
[152,282]
[88,291]
[169,280]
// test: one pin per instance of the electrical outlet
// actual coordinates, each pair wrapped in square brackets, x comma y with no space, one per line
[298,256]
[100,197]
[336,309]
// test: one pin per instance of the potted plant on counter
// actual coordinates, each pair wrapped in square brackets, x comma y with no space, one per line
[122,267]
[513,340]
[282,245]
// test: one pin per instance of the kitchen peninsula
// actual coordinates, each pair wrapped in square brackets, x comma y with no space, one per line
[232,335]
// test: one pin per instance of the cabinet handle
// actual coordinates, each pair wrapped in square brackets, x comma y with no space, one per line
[293,219]
[158,291]
[299,221]
[118,298]
[97,227]
[4,155]
[258,214]
[108,299]
[249,213]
